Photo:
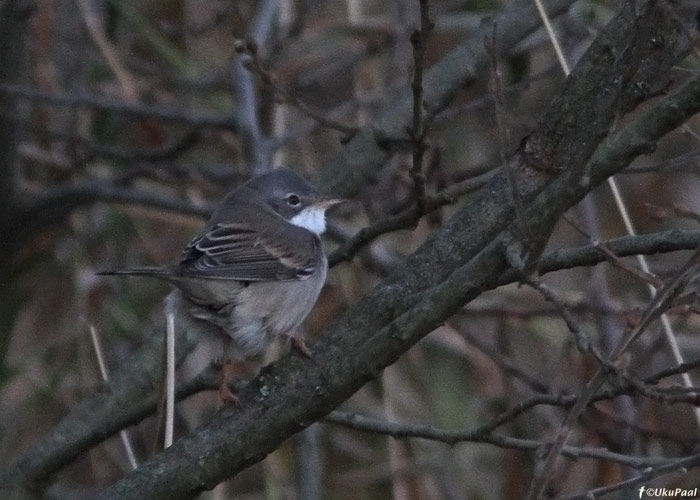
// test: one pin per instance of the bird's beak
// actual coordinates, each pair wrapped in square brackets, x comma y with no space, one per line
[326,202]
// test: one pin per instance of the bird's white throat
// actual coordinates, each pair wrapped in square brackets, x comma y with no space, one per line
[311,218]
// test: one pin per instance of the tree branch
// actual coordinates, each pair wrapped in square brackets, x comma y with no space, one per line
[452,437]
[52,206]
[464,258]
[201,120]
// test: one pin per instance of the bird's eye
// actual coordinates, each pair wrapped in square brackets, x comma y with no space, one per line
[292,200]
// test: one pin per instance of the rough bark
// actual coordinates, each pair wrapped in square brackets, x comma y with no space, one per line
[568,154]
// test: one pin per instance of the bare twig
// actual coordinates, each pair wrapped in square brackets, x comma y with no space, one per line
[506,364]
[165,152]
[587,255]
[663,298]
[140,110]
[680,464]
[96,30]
[56,203]
[609,330]
[419,39]
[496,87]
[616,261]
[655,309]
[169,379]
[552,37]
[452,437]
[682,162]
[102,364]
[408,217]
[254,65]
[685,212]
[255,144]
[583,342]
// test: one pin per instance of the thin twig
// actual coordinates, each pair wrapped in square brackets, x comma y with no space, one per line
[681,464]
[655,309]
[96,30]
[169,379]
[168,151]
[682,163]
[496,87]
[616,261]
[75,100]
[452,437]
[102,364]
[55,203]
[408,217]
[669,334]
[255,144]
[582,341]
[664,296]
[506,364]
[419,39]
[254,65]
[554,40]
[686,213]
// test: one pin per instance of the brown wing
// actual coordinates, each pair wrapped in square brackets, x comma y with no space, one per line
[235,251]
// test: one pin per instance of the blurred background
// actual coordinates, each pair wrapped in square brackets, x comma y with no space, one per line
[132,119]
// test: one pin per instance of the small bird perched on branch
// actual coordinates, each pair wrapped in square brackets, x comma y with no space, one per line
[256,269]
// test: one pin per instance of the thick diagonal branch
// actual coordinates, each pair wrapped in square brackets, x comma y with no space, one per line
[463,259]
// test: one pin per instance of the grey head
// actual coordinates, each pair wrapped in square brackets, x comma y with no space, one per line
[291,197]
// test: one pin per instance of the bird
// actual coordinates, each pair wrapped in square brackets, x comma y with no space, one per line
[255,271]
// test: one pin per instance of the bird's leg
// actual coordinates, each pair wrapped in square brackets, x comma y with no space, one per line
[300,346]
[226,396]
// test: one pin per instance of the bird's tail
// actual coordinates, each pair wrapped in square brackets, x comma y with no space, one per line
[154,272]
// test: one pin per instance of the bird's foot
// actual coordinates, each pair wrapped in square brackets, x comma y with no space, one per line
[227,397]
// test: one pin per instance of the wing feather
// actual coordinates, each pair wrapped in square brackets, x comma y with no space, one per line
[236,251]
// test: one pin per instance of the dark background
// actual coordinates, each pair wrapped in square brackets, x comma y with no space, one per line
[122,124]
